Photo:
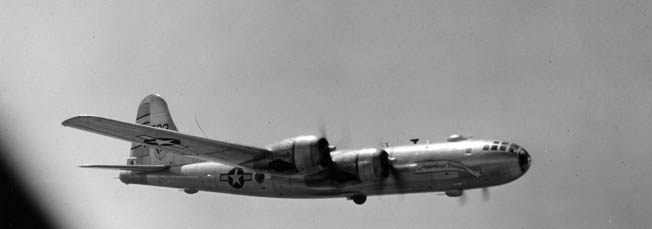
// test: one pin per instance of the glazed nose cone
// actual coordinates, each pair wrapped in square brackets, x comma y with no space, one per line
[524,160]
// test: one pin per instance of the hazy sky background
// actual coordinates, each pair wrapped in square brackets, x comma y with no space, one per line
[571,81]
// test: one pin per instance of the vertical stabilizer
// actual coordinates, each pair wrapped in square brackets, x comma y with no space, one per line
[153,111]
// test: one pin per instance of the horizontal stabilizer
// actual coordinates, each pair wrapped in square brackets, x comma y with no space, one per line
[171,141]
[137,168]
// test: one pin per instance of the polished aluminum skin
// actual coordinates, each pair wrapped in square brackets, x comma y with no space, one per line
[433,167]
[303,166]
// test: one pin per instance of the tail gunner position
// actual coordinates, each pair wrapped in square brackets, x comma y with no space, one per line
[303,166]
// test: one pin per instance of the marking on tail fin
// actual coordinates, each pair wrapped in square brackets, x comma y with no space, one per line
[142,116]
[164,126]
[160,154]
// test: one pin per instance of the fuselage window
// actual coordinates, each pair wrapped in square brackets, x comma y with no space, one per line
[516,148]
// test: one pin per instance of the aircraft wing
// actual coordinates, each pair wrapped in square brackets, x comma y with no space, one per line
[175,142]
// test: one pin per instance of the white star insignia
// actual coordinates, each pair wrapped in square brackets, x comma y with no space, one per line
[236,177]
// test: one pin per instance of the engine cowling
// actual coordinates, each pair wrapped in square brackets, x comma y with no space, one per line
[300,154]
[367,164]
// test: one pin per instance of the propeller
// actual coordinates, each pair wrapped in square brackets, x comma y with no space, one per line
[322,130]
[463,199]
[388,163]
[344,139]
[393,172]
[485,194]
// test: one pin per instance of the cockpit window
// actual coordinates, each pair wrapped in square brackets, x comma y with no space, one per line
[485,148]
[502,147]
[494,147]
[513,148]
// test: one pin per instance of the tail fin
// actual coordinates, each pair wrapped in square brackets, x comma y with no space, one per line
[153,111]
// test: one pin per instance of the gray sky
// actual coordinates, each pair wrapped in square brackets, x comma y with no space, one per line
[569,80]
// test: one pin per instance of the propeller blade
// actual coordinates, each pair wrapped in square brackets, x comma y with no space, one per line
[485,194]
[392,173]
[322,130]
[344,140]
[461,200]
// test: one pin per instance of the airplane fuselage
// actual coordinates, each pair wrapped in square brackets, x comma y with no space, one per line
[304,166]
[437,167]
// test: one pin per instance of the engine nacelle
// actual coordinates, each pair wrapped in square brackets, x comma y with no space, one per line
[367,164]
[300,154]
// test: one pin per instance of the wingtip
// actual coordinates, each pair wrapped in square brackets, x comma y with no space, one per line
[73,120]
[69,121]
[66,122]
